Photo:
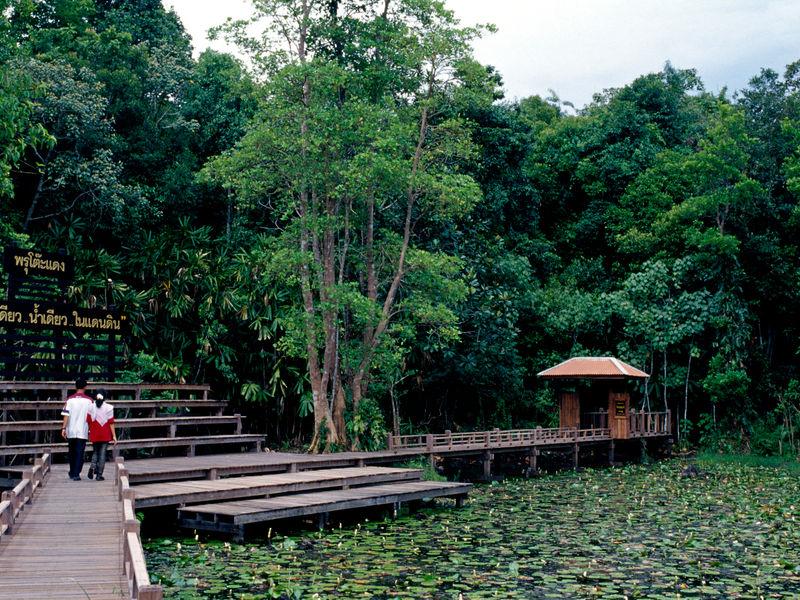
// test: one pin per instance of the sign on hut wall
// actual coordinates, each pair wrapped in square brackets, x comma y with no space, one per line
[620,408]
[42,336]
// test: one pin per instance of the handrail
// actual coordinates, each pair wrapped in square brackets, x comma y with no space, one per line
[495,437]
[13,502]
[133,564]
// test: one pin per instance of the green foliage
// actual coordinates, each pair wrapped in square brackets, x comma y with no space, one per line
[375,202]
[368,426]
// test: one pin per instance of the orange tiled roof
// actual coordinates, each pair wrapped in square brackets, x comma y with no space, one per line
[605,367]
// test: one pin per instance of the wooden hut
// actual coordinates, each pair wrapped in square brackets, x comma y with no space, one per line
[596,394]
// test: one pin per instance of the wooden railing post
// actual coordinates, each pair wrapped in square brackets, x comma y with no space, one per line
[390,442]
[429,442]
[150,592]
[6,520]
[11,497]
[27,476]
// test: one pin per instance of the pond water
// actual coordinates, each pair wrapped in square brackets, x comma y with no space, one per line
[631,532]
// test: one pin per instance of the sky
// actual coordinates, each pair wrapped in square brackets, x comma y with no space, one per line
[580,47]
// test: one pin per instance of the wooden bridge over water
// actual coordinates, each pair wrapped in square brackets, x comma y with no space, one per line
[45,517]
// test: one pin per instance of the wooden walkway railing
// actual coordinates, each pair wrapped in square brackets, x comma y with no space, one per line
[496,438]
[134,563]
[14,501]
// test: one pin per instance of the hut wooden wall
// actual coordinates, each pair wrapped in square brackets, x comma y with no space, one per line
[570,413]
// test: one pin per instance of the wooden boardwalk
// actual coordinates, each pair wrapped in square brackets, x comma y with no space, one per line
[215,466]
[67,543]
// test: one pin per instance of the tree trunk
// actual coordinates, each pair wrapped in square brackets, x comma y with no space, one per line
[371,344]
[323,418]
[666,404]
[686,394]
[38,191]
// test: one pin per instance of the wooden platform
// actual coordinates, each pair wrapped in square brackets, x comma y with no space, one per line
[231,517]
[197,491]
[67,544]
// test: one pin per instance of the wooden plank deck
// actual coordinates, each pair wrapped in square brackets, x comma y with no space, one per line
[230,464]
[67,543]
[196,491]
[229,516]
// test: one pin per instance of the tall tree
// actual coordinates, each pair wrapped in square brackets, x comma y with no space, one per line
[354,161]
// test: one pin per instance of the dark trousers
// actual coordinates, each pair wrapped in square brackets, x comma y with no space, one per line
[77,447]
[99,457]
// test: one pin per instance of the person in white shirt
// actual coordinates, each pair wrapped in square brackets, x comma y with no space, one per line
[75,429]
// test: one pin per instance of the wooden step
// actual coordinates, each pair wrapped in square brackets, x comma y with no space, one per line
[230,517]
[216,466]
[196,491]
[189,442]
[67,387]
[25,405]
[164,421]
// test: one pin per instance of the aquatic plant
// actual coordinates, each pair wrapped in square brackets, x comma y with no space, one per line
[632,532]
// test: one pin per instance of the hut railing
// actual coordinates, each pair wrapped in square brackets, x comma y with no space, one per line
[596,419]
[643,423]
[13,502]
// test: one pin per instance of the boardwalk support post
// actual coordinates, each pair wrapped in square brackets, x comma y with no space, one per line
[611,453]
[575,455]
[238,533]
[487,465]
[533,461]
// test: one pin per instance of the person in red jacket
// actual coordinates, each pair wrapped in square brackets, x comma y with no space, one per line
[101,431]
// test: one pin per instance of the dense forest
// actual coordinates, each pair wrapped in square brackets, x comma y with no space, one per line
[347,229]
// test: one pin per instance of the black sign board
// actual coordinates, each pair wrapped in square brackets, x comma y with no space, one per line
[27,314]
[21,264]
[44,337]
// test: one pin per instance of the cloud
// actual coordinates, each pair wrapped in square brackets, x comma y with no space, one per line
[580,47]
